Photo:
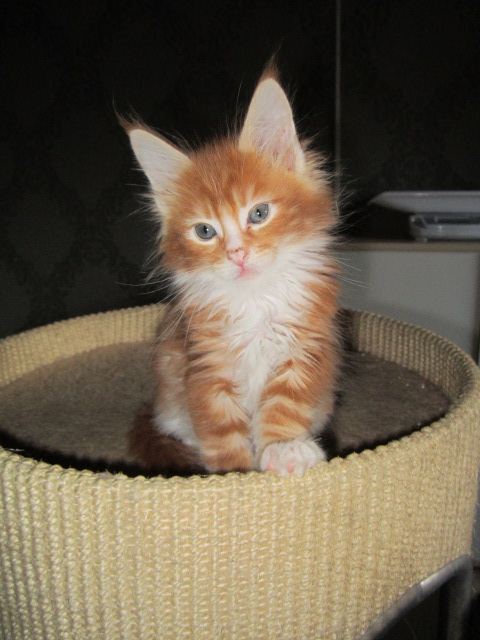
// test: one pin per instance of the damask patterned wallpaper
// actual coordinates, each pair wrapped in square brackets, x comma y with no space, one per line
[73,235]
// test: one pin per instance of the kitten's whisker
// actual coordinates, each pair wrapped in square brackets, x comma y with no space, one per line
[129,284]
[172,327]
[345,262]
[357,283]
[190,322]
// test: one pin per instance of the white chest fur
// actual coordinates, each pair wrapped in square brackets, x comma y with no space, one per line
[261,340]
[262,310]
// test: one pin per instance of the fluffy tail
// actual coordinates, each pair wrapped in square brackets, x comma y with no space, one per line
[159,454]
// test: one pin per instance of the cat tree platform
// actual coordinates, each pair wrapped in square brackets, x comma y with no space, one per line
[92,549]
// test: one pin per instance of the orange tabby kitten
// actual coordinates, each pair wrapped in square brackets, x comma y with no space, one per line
[247,352]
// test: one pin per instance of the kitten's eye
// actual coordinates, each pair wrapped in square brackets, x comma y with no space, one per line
[259,213]
[205,231]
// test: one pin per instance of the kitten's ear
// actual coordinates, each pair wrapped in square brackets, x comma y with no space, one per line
[161,161]
[269,127]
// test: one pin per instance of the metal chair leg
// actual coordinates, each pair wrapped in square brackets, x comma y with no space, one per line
[454,583]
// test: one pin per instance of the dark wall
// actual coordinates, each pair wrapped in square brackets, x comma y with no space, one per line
[73,235]
[410,96]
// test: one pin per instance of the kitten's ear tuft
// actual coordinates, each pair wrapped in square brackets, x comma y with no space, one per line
[161,162]
[269,127]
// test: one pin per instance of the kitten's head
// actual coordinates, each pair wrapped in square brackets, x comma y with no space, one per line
[238,211]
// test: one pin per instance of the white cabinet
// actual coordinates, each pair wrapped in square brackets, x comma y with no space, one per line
[435,285]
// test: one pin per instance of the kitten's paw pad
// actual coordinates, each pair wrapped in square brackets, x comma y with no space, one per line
[292,457]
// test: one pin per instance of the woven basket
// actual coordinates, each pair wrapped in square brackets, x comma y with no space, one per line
[87,556]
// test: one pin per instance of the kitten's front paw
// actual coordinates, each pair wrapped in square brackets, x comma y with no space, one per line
[291,457]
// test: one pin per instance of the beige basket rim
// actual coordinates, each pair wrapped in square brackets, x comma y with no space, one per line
[24,352]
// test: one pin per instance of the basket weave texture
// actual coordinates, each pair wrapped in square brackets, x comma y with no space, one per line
[87,556]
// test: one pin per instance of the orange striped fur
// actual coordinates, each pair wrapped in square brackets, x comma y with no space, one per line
[247,352]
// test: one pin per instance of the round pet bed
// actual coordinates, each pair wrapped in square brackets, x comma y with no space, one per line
[92,548]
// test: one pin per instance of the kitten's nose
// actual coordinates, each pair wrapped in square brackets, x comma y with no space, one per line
[237,256]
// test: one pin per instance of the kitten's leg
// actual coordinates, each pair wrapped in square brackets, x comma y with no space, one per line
[171,416]
[197,404]
[220,422]
[197,400]
[296,405]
